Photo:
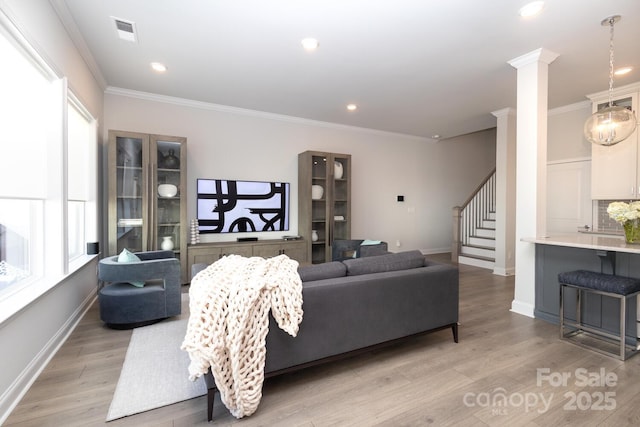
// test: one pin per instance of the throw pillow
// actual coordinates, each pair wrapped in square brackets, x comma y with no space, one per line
[327,270]
[127,256]
[370,242]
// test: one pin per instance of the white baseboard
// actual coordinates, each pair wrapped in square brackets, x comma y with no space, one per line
[435,251]
[12,396]
[523,308]
[487,265]
[500,271]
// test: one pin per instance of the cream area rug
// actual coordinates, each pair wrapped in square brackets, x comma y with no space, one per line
[155,370]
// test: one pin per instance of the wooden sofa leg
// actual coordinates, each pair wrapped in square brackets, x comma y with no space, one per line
[211,393]
[454,328]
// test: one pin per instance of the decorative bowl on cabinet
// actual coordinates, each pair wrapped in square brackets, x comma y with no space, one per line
[167,190]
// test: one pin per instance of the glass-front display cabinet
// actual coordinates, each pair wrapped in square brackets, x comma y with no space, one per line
[324,201]
[147,194]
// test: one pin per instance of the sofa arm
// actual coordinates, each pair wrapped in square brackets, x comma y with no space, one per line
[197,268]
[150,255]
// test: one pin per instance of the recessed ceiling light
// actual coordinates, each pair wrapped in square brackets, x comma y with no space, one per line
[352,107]
[622,71]
[310,44]
[158,67]
[531,9]
[436,136]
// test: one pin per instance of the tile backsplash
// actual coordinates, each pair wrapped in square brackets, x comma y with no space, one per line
[604,223]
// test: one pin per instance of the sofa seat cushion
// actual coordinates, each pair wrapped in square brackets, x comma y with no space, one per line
[327,270]
[382,263]
[601,282]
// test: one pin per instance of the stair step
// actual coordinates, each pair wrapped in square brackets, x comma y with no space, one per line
[477,262]
[486,232]
[480,251]
[486,242]
[492,216]
[489,223]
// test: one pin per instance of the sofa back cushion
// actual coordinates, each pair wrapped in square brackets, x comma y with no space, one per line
[381,263]
[327,270]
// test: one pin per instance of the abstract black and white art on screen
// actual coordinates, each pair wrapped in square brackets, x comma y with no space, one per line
[230,206]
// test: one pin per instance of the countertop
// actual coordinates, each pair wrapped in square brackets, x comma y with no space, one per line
[587,241]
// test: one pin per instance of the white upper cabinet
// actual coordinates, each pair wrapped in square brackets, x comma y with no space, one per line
[615,170]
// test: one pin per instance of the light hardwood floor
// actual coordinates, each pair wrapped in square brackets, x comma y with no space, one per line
[429,380]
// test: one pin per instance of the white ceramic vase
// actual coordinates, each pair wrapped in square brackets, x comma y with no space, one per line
[314,236]
[167,243]
[338,171]
[316,192]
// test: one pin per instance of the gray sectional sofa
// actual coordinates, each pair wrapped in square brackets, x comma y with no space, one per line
[355,305]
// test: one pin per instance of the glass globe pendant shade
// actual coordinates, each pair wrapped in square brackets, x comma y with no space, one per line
[610,125]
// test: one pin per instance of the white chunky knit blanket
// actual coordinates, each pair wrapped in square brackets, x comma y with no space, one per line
[229,306]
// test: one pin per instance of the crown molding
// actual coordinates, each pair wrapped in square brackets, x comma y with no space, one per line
[539,55]
[183,102]
[616,92]
[582,105]
[76,38]
[509,111]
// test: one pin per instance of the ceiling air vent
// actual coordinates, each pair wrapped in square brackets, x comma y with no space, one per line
[126,30]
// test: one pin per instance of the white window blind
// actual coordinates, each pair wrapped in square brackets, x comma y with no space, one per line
[81,173]
[80,153]
[25,112]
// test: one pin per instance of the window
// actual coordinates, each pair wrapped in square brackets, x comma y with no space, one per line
[26,100]
[81,183]
[48,174]
[20,223]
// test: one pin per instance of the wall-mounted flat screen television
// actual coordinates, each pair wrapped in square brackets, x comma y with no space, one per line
[231,206]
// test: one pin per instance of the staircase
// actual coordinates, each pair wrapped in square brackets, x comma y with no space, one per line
[474,227]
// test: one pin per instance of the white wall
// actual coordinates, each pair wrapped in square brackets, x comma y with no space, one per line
[238,144]
[566,140]
[30,337]
[569,203]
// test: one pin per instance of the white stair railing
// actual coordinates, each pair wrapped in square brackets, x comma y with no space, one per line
[471,215]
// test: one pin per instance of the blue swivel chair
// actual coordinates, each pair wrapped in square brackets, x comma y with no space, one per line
[155,295]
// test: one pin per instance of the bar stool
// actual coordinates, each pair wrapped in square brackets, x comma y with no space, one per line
[621,288]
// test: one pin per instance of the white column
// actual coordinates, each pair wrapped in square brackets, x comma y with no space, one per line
[505,192]
[531,166]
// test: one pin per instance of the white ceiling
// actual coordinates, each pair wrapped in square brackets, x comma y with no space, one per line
[417,67]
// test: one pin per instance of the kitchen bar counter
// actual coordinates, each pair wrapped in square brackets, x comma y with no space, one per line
[587,241]
[608,254]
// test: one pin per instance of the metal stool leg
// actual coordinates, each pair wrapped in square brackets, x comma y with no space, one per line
[623,327]
[579,308]
[561,310]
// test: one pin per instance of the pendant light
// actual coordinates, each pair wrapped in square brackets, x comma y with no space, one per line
[611,124]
